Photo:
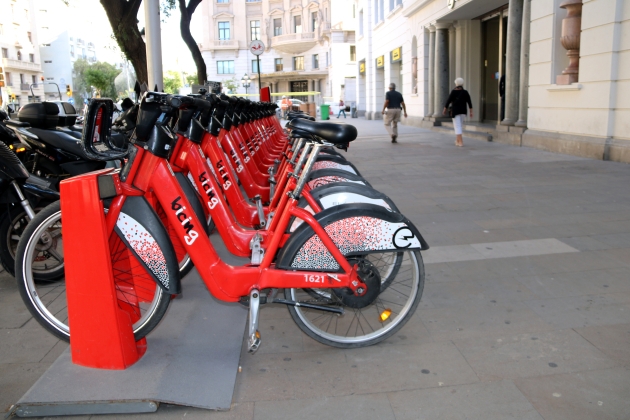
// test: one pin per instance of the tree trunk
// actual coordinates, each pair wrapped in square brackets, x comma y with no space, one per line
[184,26]
[122,16]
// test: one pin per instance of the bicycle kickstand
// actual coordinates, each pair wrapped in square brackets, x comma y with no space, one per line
[253,339]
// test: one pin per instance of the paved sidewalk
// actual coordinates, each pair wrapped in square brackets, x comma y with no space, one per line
[525,312]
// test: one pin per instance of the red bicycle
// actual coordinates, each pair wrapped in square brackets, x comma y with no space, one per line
[334,292]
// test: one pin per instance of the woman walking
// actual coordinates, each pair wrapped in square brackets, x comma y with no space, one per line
[458,99]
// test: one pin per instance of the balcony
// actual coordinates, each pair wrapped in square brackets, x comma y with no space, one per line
[220,45]
[294,43]
[12,64]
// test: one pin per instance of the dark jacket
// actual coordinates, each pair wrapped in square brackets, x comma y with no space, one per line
[459,98]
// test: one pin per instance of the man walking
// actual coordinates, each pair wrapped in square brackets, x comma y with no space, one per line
[393,102]
[286,105]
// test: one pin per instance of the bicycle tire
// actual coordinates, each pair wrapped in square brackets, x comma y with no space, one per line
[310,320]
[42,305]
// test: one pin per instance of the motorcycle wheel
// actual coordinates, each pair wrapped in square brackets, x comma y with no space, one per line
[48,264]
[47,300]
[367,325]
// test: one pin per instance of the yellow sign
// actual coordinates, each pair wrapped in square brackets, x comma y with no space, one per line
[380,61]
[362,67]
[396,55]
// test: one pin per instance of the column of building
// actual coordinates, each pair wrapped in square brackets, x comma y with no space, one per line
[441,71]
[431,81]
[513,62]
[524,85]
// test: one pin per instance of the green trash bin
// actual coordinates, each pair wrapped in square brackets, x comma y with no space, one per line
[324,112]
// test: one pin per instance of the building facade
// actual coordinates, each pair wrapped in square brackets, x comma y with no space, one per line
[21,65]
[309,45]
[544,73]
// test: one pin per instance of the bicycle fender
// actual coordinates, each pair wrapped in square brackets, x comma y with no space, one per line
[339,193]
[356,229]
[334,162]
[326,176]
[190,190]
[140,229]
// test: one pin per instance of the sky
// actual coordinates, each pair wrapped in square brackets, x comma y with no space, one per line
[175,53]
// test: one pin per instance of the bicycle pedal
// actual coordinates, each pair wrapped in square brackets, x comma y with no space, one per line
[258,253]
[253,342]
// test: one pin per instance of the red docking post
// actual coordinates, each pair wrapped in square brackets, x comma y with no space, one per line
[101,329]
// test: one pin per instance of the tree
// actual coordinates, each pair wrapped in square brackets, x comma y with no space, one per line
[184,27]
[80,86]
[231,84]
[101,76]
[191,79]
[122,16]
[172,82]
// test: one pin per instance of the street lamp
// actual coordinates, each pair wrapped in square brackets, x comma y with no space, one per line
[246,82]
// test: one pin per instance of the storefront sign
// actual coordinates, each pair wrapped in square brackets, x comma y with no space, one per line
[380,62]
[362,67]
[396,55]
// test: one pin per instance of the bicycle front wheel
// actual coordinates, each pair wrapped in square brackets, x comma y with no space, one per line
[360,327]
[46,300]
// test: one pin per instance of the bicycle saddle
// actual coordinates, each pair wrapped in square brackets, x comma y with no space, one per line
[333,133]
[302,116]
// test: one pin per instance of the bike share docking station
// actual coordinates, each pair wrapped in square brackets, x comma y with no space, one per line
[190,359]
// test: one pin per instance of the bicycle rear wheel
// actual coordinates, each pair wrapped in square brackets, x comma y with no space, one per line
[46,300]
[360,327]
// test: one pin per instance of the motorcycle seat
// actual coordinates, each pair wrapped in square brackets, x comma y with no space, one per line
[61,140]
[331,132]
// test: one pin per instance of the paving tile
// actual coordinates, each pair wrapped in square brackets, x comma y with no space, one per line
[585,243]
[16,379]
[541,353]
[355,407]
[282,376]
[407,367]
[612,340]
[500,400]
[577,283]
[13,312]
[599,394]
[25,346]
[583,311]
[481,318]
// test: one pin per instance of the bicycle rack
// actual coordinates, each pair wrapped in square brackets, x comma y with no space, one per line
[105,341]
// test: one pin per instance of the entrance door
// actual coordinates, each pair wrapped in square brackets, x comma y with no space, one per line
[494,32]
[300,86]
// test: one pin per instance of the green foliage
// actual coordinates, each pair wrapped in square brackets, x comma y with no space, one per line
[231,84]
[100,75]
[172,81]
[191,78]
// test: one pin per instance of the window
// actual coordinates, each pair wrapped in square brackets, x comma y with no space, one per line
[48,61]
[21,78]
[353,53]
[31,58]
[5,53]
[254,66]
[391,5]
[224,30]
[1,29]
[72,50]
[297,24]
[278,63]
[314,22]
[354,11]
[30,37]
[254,29]
[7,75]
[45,45]
[223,1]
[50,78]
[277,27]
[83,53]
[19,55]
[34,79]
[298,63]
[225,67]
[361,22]
[315,61]
[326,59]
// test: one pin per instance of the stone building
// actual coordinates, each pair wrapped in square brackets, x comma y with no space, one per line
[21,65]
[309,44]
[565,66]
